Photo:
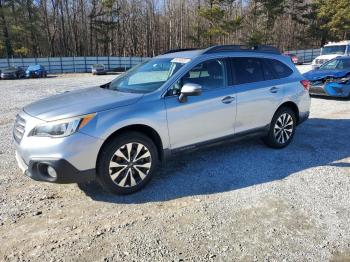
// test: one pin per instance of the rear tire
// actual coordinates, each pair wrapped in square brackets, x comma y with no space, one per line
[127,163]
[282,128]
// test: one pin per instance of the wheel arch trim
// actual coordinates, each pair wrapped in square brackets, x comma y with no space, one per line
[143,129]
[292,105]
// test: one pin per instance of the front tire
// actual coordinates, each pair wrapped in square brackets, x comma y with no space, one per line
[127,163]
[282,128]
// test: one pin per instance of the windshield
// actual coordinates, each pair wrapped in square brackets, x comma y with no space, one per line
[33,67]
[148,76]
[336,64]
[335,49]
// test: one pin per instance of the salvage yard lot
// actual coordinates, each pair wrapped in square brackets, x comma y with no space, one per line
[240,201]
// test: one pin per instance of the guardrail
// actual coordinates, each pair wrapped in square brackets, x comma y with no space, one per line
[75,64]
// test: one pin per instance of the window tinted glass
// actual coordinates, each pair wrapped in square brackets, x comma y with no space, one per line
[209,74]
[268,72]
[337,49]
[247,70]
[281,70]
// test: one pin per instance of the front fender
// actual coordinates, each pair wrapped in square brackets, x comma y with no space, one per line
[144,112]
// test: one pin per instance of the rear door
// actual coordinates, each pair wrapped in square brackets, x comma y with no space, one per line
[208,116]
[258,92]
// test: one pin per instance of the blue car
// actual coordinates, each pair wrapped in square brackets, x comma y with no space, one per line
[331,79]
[36,71]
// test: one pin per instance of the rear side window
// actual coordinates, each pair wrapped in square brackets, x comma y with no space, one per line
[280,69]
[269,74]
[247,70]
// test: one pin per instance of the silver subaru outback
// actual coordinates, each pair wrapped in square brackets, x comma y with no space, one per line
[118,133]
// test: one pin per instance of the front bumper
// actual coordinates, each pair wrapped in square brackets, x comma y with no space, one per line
[73,157]
[65,171]
[32,74]
[317,90]
[332,89]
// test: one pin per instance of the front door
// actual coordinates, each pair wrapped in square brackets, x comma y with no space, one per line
[206,117]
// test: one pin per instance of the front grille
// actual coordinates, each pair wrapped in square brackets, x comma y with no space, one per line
[19,128]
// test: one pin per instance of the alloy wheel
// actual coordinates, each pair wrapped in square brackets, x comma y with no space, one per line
[283,128]
[130,164]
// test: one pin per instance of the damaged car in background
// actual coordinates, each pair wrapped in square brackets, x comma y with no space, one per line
[331,78]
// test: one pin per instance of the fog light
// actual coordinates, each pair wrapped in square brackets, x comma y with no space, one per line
[52,172]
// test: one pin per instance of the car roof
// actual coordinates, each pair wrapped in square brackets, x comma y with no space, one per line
[231,50]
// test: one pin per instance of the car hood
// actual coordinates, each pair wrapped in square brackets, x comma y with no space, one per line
[327,57]
[319,74]
[79,102]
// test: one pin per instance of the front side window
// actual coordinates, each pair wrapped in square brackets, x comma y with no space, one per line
[148,76]
[209,75]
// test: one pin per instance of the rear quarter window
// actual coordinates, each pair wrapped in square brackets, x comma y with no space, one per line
[280,69]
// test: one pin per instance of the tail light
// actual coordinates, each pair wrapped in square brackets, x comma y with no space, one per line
[306,84]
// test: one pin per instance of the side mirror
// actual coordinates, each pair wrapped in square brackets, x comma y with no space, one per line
[189,89]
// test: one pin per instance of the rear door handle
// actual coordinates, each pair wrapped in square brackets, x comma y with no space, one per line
[228,99]
[274,90]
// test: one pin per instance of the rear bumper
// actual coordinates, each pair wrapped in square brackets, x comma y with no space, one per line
[303,117]
[65,171]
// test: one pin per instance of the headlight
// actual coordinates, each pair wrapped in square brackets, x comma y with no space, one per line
[62,128]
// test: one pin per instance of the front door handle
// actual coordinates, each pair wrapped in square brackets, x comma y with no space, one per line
[274,90]
[228,99]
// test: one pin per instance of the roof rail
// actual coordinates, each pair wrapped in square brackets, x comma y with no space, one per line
[179,50]
[242,48]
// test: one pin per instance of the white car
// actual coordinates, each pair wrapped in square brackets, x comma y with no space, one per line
[331,51]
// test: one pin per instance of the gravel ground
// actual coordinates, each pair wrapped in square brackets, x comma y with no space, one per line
[240,201]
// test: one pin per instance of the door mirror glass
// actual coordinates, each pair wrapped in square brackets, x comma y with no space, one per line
[190,89]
